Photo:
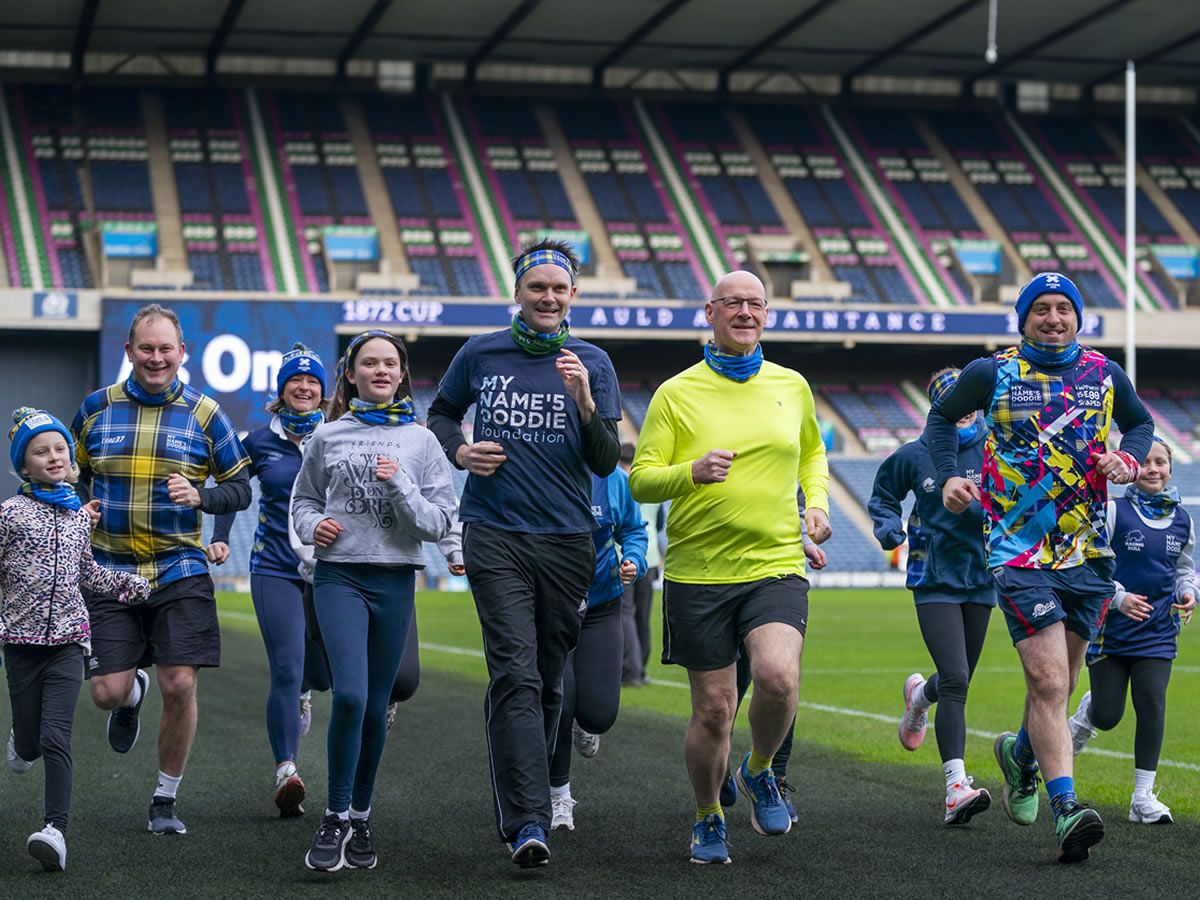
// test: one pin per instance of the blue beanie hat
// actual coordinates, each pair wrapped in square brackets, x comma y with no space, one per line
[300,361]
[1048,283]
[30,423]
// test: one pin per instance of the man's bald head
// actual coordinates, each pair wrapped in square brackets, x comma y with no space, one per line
[740,284]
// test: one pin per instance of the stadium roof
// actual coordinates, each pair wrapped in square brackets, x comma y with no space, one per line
[1073,41]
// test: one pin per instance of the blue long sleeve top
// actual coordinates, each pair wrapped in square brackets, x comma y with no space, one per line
[619,524]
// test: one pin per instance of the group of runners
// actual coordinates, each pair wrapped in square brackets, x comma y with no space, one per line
[550,534]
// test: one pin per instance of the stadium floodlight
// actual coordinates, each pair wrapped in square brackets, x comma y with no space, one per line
[991,54]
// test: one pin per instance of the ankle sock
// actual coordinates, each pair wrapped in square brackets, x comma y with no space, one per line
[135,694]
[167,785]
[703,812]
[1062,793]
[1143,781]
[756,765]
[1022,752]
[919,698]
[955,772]
[344,815]
[563,790]
[355,814]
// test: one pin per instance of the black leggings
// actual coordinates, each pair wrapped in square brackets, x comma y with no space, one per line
[779,762]
[954,635]
[1146,680]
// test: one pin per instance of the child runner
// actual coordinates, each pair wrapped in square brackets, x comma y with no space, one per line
[953,590]
[45,554]
[1155,543]
[592,677]
[371,488]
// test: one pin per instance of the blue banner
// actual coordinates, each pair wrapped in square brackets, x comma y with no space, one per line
[55,305]
[132,244]
[1179,260]
[351,244]
[978,257]
[233,347]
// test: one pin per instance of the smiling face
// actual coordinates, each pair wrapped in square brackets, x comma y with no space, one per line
[47,458]
[156,352]
[737,312]
[1156,470]
[301,393]
[544,294]
[378,371]
[1052,320]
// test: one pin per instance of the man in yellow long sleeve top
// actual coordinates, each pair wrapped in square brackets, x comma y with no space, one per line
[726,442]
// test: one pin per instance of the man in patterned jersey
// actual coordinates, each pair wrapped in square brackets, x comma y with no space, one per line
[145,447]
[1048,404]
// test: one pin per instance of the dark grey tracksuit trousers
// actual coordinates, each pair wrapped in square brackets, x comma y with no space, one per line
[531,594]
[43,685]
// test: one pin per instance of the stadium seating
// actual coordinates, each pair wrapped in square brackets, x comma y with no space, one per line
[880,414]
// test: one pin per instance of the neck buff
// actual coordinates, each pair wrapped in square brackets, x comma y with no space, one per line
[300,423]
[1050,355]
[144,397]
[1154,506]
[396,412]
[734,367]
[537,343]
[62,494]
[966,435]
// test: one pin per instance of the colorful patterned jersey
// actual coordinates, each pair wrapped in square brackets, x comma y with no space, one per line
[1042,500]
[131,449]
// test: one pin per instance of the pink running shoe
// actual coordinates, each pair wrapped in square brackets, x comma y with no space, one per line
[915,720]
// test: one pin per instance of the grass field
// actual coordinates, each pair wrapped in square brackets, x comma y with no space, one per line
[870,813]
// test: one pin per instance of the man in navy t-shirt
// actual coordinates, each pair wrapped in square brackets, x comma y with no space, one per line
[547,407]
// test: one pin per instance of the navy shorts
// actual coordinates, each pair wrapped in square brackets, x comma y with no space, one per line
[1033,599]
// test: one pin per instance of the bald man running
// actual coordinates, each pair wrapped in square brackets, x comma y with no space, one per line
[726,442]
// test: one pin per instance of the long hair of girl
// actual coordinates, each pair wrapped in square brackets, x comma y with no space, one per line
[344,389]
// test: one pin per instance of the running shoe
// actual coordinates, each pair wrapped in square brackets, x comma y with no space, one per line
[965,801]
[530,849]
[1080,724]
[163,819]
[915,720]
[768,815]
[305,712]
[784,790]
[1020,794]
[328,850]
[48,847]
[392,709]
[1146,809]
[17,765]
[586,743]
[360,851]
[289,793]
[1078,829]
[708,841]
[562,812]
[124,722]
[729,790]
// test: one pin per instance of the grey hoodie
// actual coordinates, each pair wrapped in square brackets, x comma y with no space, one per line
[384,522]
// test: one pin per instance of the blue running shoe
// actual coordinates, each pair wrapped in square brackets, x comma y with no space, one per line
[530,849]
[768,814]
[729,791]
[708,841]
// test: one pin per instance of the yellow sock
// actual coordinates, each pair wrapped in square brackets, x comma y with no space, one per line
[703,812]
[756,764]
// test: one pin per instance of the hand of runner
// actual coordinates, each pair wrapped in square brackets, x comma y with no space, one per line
[1184,607]
[326,532]
[628,572]
[816,557]
[457,569]
[574,375]
[385,468]
[712,467]
[1114,466]
[817,523]
[181,491]
[1135,607]
[92,508]
[481,459]
[217,553]
[957,493]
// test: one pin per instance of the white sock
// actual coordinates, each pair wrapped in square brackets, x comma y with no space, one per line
[919,700]
[135,693]
[307,695]
[344,816]
[955,772]
[564,791]
[167,785]
[286,769]
[1143,780]
[355,814]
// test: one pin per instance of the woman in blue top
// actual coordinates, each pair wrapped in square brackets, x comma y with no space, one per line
[592,677]
[953,590]
[275,584]
[1155,589]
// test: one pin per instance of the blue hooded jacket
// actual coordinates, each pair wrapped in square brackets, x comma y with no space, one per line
[618,524]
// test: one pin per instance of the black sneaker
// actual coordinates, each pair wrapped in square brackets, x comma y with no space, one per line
[163,819]
[328,850]
[124,725]
[360,851]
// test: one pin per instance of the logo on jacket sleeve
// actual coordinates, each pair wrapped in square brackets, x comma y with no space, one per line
[928,485]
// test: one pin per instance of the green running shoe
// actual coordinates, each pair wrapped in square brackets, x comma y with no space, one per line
[1078,830]
[1020,794]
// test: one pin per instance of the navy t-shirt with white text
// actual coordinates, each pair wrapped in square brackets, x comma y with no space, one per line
[544,485]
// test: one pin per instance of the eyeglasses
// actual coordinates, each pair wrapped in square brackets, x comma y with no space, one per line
[734,304]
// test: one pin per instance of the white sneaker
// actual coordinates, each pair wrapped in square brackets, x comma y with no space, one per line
[48,847]
[964,801]
[18,765]
[1146,809]
[915,719]
[562,810]
[1081,726]
[305,712]
[586,743]
[392,709]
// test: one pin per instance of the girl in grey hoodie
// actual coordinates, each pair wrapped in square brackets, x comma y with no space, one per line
[373,486]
